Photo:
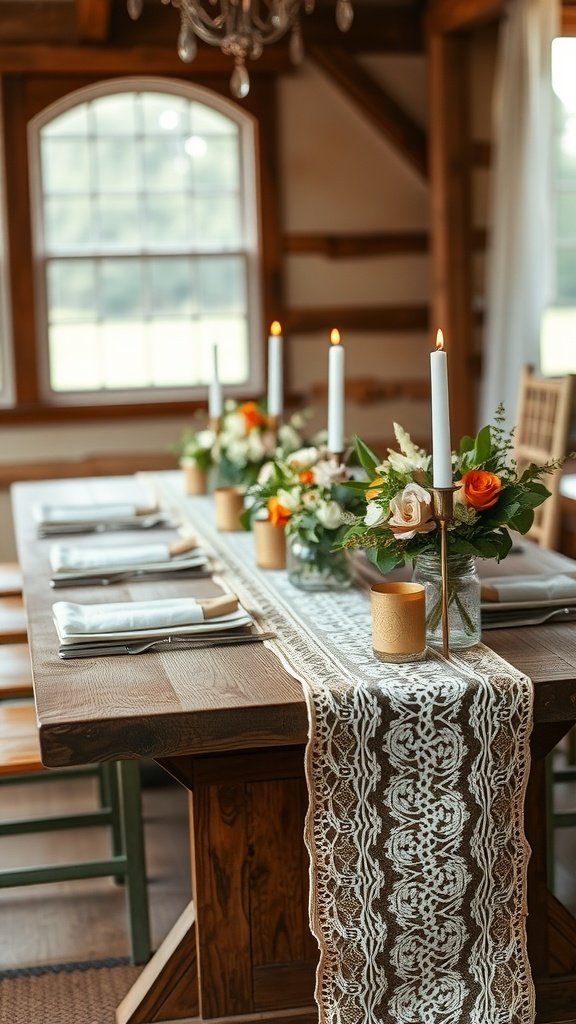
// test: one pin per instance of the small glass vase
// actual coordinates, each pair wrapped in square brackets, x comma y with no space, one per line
[463,599]
[315,566]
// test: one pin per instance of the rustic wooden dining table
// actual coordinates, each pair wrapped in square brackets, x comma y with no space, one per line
[231,726]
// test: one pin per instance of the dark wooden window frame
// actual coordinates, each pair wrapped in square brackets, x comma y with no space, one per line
[24,96]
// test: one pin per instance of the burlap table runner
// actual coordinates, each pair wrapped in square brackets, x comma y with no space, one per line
[416,777]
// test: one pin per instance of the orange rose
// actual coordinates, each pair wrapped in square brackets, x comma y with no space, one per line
[277,513]
[306,476]
[372,491]
[480,489]
[253,417]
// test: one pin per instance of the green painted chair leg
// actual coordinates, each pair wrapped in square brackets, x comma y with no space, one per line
[128,776]
[109,792]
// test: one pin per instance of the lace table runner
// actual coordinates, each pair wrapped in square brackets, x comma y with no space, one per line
[416,777]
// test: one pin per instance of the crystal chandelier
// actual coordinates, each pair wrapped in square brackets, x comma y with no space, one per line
[242,28]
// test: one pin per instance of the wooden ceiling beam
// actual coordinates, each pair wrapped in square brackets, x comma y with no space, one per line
[375,104]
[375,29]
[461,15]
[93,20]
[155,60]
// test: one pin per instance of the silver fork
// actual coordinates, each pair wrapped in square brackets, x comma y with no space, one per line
[519,618]
[177,643]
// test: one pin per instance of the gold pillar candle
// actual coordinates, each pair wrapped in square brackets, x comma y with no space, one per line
[269,544]
[194,477]
[398,621]
[228,504]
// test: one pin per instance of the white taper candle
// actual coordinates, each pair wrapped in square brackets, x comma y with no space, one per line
[336,361]
[275,371]
[214,389]
[441,449]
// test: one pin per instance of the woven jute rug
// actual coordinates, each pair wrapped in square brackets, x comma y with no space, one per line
[66,993]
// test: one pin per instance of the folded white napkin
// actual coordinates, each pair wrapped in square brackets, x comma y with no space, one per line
[536,589]
[68,557]
[86,513]
[126,616]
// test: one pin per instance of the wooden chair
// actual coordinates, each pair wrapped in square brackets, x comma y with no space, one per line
[120,809]
[543,419]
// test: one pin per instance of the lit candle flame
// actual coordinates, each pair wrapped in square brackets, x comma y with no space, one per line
[439,340]
[275,328]
[335,337]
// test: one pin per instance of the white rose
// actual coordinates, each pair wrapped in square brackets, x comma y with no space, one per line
[289,499]
[237,452]
[329,514]
[256,449]
[328,472]
[411,512]
[205,438]
[289,439]
[304,458]
[265,472]
[375,515]
[235,425]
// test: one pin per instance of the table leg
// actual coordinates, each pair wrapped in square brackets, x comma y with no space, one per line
[242,952]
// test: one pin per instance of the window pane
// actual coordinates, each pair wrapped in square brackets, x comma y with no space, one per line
[71,289]
[116,164]
[164,113]
[121,288]
[65,165]
[230,334]
[73,122]
[566,216]
[217,168]
[206,121]
[115,115]
[166,220]
[68,222]
[222,283]
[174,349]
[166,164]
[75,357]
[124,354]
[119,220]
[217,222]
[566,275]
[171,284]
[557,344]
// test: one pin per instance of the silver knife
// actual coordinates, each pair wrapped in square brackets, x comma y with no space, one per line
[177,643]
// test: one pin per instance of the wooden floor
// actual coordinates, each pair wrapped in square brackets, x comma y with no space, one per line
[86,920]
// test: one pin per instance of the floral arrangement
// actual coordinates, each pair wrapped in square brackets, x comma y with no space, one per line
[197,446]
[305,492]
[246,441]
[243,443]
[493,497]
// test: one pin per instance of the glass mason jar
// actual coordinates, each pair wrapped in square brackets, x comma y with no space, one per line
[463,599]
[315,566]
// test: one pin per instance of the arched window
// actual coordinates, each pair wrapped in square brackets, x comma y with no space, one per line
[146,242]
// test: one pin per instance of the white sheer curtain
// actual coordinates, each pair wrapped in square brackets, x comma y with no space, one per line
[520,202]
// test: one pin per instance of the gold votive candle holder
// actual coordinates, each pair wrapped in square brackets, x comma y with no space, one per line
[195,479]
[269,544]
[228,504]
[398,621]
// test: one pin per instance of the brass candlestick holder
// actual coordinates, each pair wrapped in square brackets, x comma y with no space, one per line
[214,423]
[273,423]
[443,503]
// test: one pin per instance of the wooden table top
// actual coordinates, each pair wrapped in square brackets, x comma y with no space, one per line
[206,701]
